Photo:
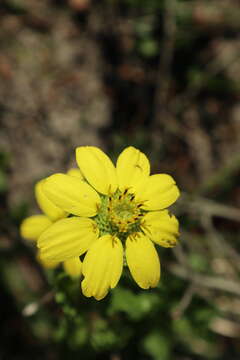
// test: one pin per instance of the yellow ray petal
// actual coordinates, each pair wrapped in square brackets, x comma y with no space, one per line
[33,226]
[73,267]
[143,261]
[97,168]
[162,228]
[71,194]
[47,206]
[102,267]
[133,167]
[47,264]
[67,238]
[75,172]
[159,192]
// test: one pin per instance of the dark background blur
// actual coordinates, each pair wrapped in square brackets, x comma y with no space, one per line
[163,76]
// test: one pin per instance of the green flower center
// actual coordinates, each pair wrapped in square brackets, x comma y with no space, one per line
[119,214]
[123,211]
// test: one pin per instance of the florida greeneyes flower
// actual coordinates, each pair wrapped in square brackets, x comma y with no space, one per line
[110,216]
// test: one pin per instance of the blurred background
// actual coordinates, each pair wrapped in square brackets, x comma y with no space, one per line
[163,76]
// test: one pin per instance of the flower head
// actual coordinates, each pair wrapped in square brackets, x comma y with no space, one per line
[110,214]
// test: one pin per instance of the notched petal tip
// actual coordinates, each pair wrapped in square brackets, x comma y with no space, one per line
[97,168]
[68,238]
[161,227]
[160,192]
[102,267]
[72,194]
[132,167]
[143,261]
[46,205]
[33,226]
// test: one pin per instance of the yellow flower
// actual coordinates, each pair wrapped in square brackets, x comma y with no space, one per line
[33,226]
[117,213]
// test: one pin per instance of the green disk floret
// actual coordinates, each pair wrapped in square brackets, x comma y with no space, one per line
[119,214]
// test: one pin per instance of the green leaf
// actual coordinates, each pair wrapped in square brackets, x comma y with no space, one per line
[136,306]
[157,345]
